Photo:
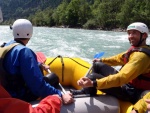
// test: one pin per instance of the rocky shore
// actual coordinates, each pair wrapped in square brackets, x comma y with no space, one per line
[106,29]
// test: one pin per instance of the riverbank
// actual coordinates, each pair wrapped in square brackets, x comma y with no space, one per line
[105,29]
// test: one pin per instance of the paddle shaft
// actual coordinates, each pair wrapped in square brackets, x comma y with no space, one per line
[96,56]
[63,90]
[41,58]
[88,71]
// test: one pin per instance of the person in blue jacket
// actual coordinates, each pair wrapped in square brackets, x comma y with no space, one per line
[24,77]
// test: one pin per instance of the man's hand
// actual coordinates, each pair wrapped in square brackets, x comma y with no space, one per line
[67,98]
[45,67]
[96,60]
[85,82]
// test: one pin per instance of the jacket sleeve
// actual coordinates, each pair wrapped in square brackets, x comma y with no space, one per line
[138,64]
[32,75]
[141,105]
[50,104]
[114,60]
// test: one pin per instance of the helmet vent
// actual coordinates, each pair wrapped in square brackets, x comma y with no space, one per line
[27,34]
[17,34]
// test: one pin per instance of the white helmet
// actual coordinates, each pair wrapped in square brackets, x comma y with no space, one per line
[141,27]
[22,28]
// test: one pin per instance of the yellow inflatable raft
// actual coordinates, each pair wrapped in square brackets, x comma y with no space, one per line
[69,70]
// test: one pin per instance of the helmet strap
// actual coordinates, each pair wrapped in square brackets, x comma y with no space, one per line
[141,40]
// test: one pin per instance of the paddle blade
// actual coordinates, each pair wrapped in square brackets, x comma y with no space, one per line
[98,55]
[40,57]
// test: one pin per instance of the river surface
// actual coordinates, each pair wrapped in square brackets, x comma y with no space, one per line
[73,42]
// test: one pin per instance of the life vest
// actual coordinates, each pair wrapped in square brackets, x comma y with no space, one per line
[13,83]
[143,80]
[3,52]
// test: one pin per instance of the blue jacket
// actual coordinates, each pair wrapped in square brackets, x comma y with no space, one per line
[22,61]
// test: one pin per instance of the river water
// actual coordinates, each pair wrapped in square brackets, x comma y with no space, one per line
[73,42]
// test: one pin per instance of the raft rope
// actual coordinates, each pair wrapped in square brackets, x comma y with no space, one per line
[62,62]
[77,62]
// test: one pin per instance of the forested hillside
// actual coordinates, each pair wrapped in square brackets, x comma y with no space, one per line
[89,14]
[13,9]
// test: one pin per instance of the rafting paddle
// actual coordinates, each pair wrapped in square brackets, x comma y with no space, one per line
[41,58]
[98,55]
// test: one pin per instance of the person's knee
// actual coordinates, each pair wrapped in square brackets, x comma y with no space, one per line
[103,69]
[94,76]
[52,79]
[97,66]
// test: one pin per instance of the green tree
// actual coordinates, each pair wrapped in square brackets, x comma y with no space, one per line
[59,15]
[43,18]
[127,13]
[72,15]
[105,13]
[93,14]
[84,12]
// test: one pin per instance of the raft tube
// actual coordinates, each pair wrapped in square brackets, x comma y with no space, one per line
[69,70]
[97,104]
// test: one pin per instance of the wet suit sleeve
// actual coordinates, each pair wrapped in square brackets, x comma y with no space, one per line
[32,75]
[135,66]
